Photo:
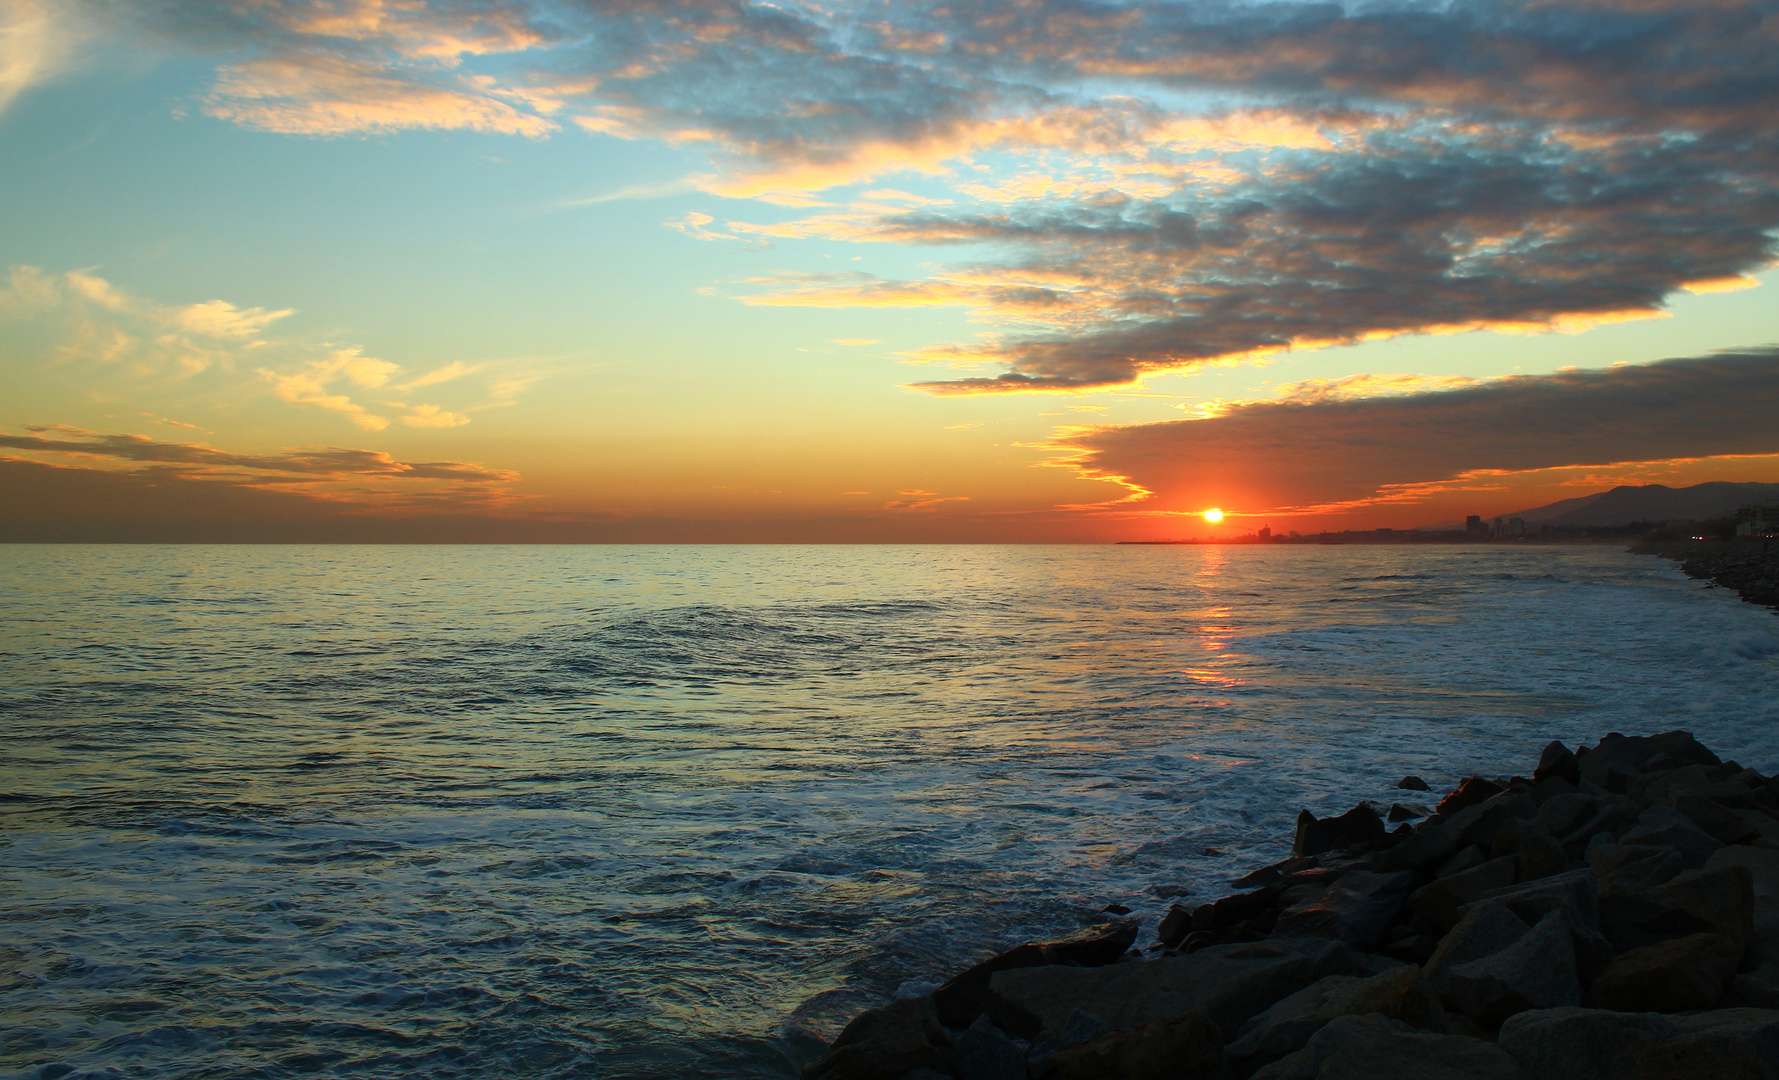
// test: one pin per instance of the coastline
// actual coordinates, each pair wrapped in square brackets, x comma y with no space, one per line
[1749,567]
[1614,914]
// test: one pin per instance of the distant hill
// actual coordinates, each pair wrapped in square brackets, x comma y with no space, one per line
[1650,502]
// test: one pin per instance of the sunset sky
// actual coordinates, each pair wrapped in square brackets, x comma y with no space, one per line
[1049,270]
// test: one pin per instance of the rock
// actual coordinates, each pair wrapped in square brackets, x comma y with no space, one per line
[1358,828]
[1652,866]
[1761,863]
[1373,1047]
[1271,875]
[1175,925]
[1357,908]
[1539,856]
[1594,1044]
[1430,844]
[1664,826]
[1557,761]
[1081,1027]
[1717,901]
[1227,983]
[1576,894]
[1549,788]
[962,999]
[883,1044]
[1471,791]
[1398,993]
[1724,826]
[1467,858]
[1617,758]
[1563,814]
[1439,901]
[1672,976]
[1485,930]
[1185,1048]
[1412,783]
[1406,812]
[1481,823]
[984,1052]
[1535,972]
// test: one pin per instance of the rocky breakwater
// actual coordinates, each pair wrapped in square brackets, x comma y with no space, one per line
[1613,916]
[1748,567]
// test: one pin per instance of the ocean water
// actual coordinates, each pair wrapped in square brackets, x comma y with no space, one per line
[680,811]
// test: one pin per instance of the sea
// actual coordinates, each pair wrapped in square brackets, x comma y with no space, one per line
[681,811]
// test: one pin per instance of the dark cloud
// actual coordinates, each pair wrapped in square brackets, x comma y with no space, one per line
[1275,456]
[310,464]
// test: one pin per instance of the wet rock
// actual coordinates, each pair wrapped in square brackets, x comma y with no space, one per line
[962,999]
[1557,761]
[1664,826]
[1535,972]
[1406,812]
[1175,925]
[1189,1047]
[984,1052]
[1594,1044]
[1672,976]
[1357,908]
[1412,783]
[1719,901]
[1228,983]
[1359,827]
[1271,875]
[1081,1027]
[1439,901]
[1471,791]
[1374,1047]
[883,1044]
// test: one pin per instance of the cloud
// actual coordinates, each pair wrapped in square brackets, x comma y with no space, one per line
[1131,188]
[34,43]
[312,385]
[1332,453]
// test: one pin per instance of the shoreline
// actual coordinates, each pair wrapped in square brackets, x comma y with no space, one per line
[1748,567]
[1614,914]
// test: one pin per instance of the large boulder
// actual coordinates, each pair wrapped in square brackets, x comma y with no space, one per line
[1485,929]
[1439,901]
[984,1052]
[1358,828]
[1186,1048]
[1374,1047]
[1357,908]
[882,1044]
[1576,894]
[1227,983]
[1596,1044]
[1717,901]
[1557,761]
[1664,826]
[1617,759]
[1671,976]
[1399,993]
[1535,972]
[962,999]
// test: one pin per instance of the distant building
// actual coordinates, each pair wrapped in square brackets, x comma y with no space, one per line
[1475,527]
[1265,533]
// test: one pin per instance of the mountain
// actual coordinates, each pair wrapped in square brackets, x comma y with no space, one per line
[1652,502]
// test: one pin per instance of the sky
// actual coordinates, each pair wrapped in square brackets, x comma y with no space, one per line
[1046,270]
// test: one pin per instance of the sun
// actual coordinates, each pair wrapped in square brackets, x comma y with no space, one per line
[1213,516]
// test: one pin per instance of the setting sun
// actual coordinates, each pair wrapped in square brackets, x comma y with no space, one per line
[1213,515]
